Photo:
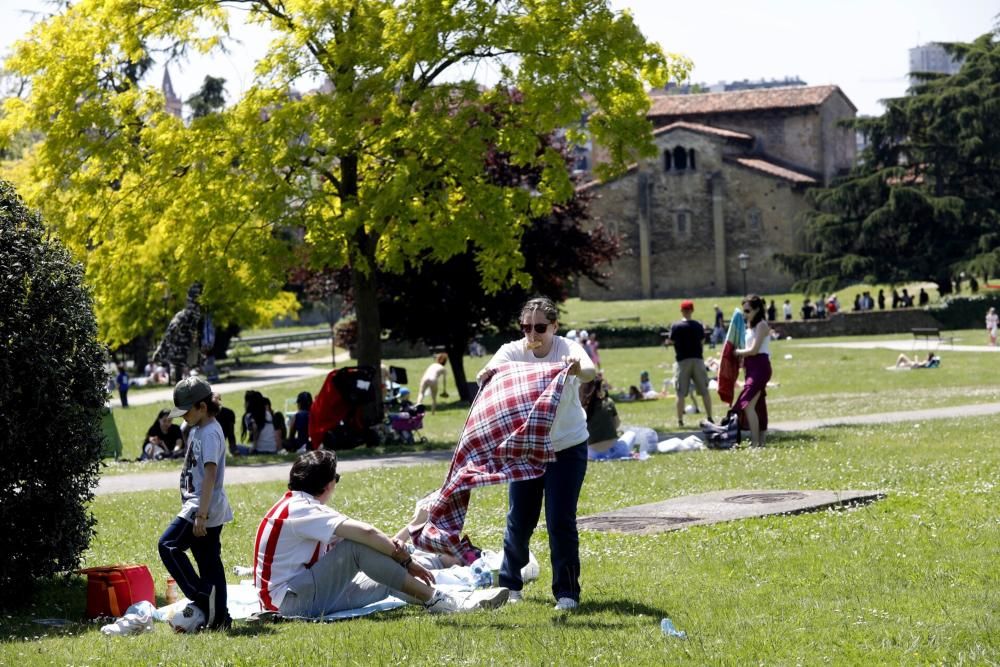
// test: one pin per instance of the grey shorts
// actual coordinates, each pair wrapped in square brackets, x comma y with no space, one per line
[688,371]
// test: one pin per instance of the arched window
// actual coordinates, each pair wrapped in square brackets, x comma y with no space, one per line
[666,160]
[680,159]
[753,221]
[691,158]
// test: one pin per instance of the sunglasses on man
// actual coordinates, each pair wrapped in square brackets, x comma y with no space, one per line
[539,328]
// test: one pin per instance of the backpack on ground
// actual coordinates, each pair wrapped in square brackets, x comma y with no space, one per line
[725,434]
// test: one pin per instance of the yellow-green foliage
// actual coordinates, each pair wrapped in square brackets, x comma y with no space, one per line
[386,167]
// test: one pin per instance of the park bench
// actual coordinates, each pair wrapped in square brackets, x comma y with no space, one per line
[604,321]
[276,342]
[930,335]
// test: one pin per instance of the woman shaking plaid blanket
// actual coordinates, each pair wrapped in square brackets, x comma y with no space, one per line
[506,438]
[529,428]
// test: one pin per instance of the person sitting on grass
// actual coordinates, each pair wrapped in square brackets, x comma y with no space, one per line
[311,560]
[602,423]
[646,387]
[162,438]
[298,431]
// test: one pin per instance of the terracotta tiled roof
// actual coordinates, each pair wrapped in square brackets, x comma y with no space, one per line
[771,169]
[792,97]
[703,129]
[590,185]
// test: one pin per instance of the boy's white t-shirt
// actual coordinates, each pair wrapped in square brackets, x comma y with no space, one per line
[570,425]
[296,532]
[206,444]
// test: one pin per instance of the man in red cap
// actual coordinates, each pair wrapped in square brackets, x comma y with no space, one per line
[687,336]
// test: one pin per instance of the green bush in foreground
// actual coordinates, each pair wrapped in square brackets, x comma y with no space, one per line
[51,397]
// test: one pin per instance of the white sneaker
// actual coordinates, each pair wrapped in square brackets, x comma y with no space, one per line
[137,619]
[189,620]
[445,603]
[565,604]
[515,597]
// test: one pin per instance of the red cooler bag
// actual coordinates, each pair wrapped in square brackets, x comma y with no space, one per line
[114,588]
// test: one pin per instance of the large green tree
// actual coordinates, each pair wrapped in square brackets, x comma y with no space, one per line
[924,201]
[381,167]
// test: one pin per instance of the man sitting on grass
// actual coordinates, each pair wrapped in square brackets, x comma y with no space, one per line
[311,560]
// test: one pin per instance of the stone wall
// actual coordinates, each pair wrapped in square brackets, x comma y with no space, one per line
[839,145]
[758,214]
[868,323]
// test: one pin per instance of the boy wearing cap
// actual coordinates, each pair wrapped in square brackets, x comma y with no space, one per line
[204,510]
[687,337]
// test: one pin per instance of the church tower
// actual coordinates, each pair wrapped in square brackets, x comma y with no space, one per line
[172,103]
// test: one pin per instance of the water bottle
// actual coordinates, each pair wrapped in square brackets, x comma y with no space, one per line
[482,577]
[668,629]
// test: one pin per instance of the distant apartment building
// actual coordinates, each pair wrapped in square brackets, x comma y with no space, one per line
[932,57]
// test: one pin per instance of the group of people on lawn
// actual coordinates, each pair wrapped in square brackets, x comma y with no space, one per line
[311,560]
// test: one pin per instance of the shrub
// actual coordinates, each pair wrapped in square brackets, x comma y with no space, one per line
[51,398]
[965,312]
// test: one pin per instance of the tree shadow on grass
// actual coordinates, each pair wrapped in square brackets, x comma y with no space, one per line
[629,608]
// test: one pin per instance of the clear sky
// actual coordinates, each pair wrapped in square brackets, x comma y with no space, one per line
[860,45]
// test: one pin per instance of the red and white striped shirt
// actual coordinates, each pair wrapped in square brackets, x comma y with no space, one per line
[292,536]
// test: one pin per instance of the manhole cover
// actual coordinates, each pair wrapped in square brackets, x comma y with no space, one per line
[632,524]
[764,498]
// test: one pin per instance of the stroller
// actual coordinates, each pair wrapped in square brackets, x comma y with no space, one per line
[406,418]
[405,424]
[342,414]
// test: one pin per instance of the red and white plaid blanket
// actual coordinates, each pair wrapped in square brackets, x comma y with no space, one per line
[506,439]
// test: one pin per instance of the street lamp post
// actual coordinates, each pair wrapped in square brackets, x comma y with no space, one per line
[744,265]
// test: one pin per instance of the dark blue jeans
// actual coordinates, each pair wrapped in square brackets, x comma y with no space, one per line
[207,552]
[560,486]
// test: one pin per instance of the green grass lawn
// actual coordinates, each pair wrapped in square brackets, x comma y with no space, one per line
[814,383]
[578,313]
[911,579]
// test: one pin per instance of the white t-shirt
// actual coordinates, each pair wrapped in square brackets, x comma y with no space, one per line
[292,536]
[266,443]
[206,444]
[570,425]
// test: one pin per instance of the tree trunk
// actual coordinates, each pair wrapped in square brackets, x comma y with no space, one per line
[224,336]
[333,343]
[140,353]
[364,283]
[456,355]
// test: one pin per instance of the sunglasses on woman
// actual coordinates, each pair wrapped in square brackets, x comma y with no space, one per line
[539,328]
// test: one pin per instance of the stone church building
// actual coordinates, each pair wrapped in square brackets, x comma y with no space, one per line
[730,177]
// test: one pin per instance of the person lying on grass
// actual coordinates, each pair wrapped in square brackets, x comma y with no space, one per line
[311,560]
[902,361]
